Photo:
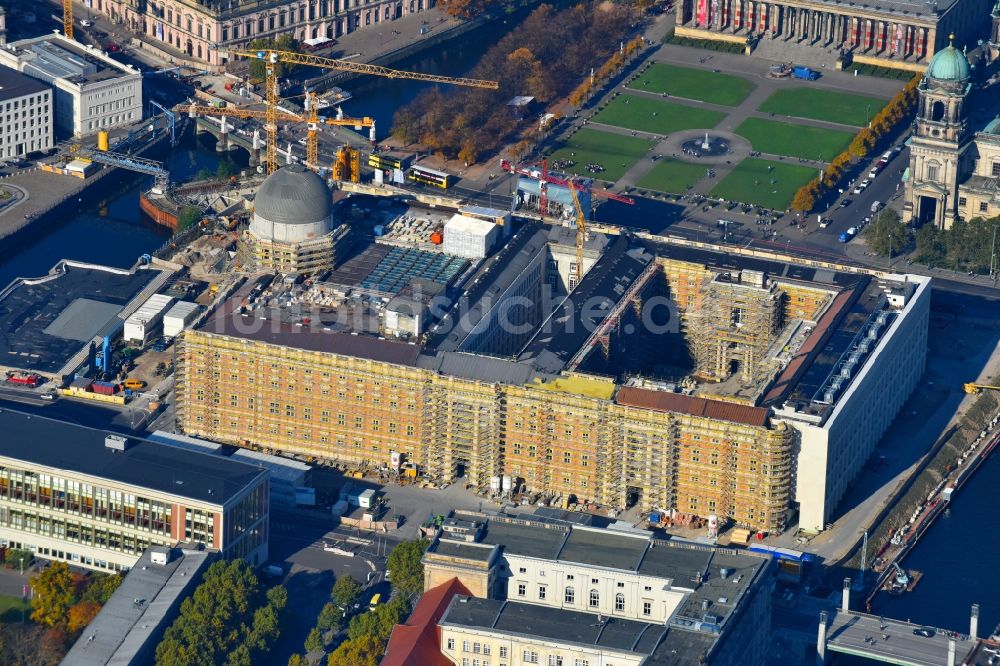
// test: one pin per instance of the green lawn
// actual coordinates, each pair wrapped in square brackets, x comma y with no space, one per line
[614,152]
[11,607]
[836,107]
[650,115]
[750,182]
[699,84]
[779,138]
[673,176]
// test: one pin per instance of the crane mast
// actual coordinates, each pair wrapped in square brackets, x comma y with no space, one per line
[271,59]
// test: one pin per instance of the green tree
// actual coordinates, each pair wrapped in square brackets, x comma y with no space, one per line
[330,617]
[297,660]
[18,557]
[407,569]
[346,592]
[314,641]
[282,43]
[380,621]
[229,619]
[887,234]
[53,594]
[362,651]
[188,217]
[101,587]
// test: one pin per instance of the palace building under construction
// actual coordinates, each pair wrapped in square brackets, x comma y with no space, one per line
[687,380]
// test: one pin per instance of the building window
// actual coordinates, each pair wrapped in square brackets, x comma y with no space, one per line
[477,648]
[530,657]
[962,201]
[581,662]
[995,169]
[541,591]
[647,607]
[522,589]
[555,660]
[984,207]
[451,643]
[595,598]
[503,651]
[569,595]
[932,172]
[619,602]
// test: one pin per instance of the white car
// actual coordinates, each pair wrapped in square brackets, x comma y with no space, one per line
[86,24]
[860,187]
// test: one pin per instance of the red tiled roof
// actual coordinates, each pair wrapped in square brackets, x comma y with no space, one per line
[417,643]
[688,404]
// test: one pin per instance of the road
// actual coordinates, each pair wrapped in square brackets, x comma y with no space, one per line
[847,633]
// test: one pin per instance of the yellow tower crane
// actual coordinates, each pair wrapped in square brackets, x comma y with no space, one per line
[68,18]
[581,231]
[272,58]
[973,388]
[313,120]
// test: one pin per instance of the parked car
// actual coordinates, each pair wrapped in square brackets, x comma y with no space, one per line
[824,223]
[86,24]
[846,202]
[926,632]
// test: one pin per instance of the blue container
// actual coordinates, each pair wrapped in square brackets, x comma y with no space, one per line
[654,517]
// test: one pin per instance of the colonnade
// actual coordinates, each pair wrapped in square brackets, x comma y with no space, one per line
[824,28]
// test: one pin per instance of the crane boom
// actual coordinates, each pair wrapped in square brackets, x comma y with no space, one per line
[68,18]
[271,59]
[973,388]
[581,231]
[313,120]
[293,58]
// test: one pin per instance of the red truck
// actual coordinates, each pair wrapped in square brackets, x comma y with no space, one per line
[28,379]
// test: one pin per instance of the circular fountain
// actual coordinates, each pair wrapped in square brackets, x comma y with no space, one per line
[707,146]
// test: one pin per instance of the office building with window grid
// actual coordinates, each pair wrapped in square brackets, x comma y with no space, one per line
[99,500]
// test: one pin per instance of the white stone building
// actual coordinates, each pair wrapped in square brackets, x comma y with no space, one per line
[25,115]
[92,90]
[873,371]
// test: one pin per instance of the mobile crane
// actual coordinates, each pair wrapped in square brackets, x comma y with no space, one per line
[271,59]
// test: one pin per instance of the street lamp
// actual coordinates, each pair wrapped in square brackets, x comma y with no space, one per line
[868,115]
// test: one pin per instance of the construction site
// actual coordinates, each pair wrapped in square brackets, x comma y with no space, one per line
[587,368]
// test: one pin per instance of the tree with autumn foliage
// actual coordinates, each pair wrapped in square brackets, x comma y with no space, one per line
[542,58]
[52,594]
[805,197]
[82,614]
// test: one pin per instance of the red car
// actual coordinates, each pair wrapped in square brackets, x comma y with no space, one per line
[112,48]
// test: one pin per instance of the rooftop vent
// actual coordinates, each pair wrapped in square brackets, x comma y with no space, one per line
[724,572]
[116,442]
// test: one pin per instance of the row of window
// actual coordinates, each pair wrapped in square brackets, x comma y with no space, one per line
[593,599]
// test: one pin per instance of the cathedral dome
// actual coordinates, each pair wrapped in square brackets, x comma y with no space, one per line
[949,64]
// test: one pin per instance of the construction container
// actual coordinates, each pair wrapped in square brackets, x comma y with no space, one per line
[437,238]
[144,321]
[469,237]
[368,499]
[179,317]
[104,388]
[102,140]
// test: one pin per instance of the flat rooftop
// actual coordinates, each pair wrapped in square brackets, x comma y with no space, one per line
[280,326]
[63,446]
[125,630]
[564,626]
[51,57]
[45,322]
[14,84]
